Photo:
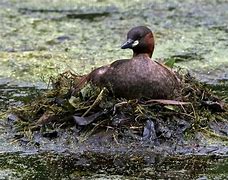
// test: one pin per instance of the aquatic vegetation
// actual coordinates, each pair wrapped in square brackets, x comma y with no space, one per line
[93,110]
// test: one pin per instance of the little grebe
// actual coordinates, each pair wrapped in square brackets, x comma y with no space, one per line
[139,76]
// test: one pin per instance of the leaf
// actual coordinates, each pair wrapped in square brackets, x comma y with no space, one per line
[170,63]
[83,121]
[171,107]
[47,117]
[73,101]
[149,132]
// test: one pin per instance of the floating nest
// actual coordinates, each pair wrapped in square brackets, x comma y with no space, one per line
[93,111]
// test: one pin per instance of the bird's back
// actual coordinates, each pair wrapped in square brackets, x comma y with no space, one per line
[139,77]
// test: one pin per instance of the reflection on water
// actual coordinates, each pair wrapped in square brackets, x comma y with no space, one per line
[66,166]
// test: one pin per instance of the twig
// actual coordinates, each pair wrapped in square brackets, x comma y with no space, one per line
[214,134]
[118,105]
[97,100]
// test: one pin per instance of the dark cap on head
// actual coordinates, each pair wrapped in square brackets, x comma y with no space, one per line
[138,32]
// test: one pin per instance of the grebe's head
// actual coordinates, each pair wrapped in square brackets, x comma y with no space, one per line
[141,40]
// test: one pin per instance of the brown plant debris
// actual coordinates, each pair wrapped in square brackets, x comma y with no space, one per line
[93,110]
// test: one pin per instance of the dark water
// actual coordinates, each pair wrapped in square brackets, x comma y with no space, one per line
[43,38]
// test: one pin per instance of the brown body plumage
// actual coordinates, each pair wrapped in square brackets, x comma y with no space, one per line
[139,76]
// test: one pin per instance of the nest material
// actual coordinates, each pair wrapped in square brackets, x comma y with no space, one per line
[96,109]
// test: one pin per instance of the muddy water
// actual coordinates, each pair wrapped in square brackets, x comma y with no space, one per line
[42,38]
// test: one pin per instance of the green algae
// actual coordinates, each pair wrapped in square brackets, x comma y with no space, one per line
[181,28]
[33,66]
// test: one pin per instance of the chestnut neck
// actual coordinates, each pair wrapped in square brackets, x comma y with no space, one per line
[146,46]
[149,54]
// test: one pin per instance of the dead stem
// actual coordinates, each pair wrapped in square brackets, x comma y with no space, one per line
[214,134]
[97,100]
